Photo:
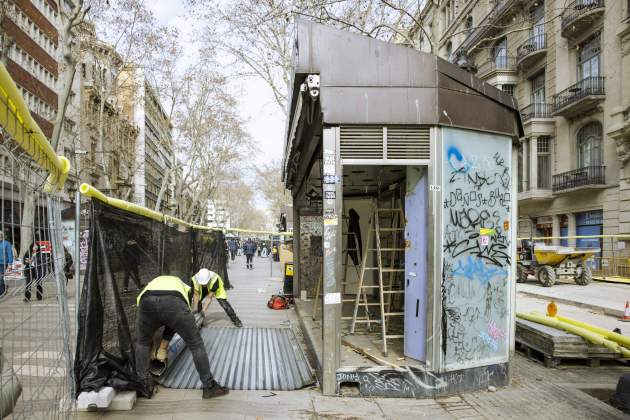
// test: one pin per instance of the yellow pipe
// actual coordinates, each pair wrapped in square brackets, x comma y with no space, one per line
[584,333]
[618,338]
[92,192]
[16,120]
[576,237]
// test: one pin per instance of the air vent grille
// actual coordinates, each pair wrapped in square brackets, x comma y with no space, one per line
[371,142]
[408,143]
[361,142]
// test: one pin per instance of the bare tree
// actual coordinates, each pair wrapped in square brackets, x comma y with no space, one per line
[70,17]
[238,198]
[258,34]
[210,142]
[269,184]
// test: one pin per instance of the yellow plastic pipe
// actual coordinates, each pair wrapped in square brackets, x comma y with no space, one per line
[582,332]
[16,120]
[617,338]
[93,192]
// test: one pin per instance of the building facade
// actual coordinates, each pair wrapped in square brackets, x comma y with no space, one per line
[568,66]
[102,152]
[31,42]
[154,153]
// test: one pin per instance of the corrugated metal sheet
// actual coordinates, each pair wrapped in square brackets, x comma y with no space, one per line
[246,358]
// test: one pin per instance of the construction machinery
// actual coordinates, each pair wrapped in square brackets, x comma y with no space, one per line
[550,262]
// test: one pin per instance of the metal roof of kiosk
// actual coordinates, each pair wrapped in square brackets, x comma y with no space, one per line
[370,82]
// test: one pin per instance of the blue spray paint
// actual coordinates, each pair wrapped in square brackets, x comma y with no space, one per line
[457,160]
[476,269]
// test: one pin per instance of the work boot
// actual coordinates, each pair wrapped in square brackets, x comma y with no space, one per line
[215,391]
[238,323]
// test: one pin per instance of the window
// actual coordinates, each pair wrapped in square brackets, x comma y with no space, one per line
[449,50]
[543,151]
[500,54]
[469,23]
[509,89]
[538,89]
[538,29]
[589,59]
[589,143]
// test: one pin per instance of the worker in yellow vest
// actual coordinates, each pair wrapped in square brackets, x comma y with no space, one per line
[206,284]
[165,301]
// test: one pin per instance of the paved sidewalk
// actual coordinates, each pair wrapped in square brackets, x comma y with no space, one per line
[536,392]
[608,298]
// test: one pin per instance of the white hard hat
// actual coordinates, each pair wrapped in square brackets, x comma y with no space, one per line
[203,276]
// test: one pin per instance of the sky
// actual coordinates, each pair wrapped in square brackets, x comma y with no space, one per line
[264,120]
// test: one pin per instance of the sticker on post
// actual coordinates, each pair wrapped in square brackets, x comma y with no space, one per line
[433,187]
[332,298]
[329,163]
[484,240]
[330,195]
[486,232]
[331,179]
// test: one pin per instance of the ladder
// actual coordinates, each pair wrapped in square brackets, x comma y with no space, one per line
[385,291]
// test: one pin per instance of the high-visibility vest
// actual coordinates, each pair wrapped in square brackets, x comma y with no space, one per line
[219,294]
[167,283]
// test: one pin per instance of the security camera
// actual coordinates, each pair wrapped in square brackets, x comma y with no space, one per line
[312,83]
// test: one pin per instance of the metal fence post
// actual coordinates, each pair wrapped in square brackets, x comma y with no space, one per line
[77,256]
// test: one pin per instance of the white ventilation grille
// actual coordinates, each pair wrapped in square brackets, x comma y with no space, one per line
[408,143]
[370,142]
[361,142]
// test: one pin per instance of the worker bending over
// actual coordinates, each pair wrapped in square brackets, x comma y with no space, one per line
[206,284]
[165,301]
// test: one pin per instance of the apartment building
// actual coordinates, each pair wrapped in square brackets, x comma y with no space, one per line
[32,55]
[218,215]
[568,65]
[154,153]
[102,149]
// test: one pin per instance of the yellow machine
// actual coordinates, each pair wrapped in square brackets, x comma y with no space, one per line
[550,262]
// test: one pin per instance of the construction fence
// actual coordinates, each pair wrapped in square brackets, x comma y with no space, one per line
[127,249]
[35,323]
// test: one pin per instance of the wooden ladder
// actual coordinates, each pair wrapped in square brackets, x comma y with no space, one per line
[374,235]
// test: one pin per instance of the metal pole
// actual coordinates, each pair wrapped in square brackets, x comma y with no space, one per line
[77,255]
[270,255]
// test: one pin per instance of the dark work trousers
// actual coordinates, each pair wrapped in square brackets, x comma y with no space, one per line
[228,310]
[174,313]
[250,259]
[233,254]
[169,333]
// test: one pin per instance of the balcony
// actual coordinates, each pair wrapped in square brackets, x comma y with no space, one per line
[580,97]
[537,111]
[498,65]
[579,16]
[531,50]
[587,177]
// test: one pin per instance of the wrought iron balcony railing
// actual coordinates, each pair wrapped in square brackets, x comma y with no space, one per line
[497,64]
[535,43]
[537,110]
[589,175]
[582,89]
[577,9]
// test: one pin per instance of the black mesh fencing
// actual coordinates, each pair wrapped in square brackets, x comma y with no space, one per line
[126,252]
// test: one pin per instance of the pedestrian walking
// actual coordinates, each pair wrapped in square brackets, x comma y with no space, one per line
[233,248]
[249,249]
[131,259]
[165,301]
[35,270]
[6,259]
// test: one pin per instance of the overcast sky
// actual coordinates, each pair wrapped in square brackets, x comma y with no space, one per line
[265,121]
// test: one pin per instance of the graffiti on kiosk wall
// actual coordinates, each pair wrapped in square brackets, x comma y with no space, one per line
[476,248]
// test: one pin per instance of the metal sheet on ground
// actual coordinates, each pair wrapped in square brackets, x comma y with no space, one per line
[246,358]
